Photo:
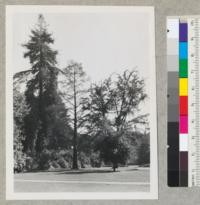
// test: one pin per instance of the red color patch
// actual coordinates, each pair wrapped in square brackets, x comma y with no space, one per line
[183,105]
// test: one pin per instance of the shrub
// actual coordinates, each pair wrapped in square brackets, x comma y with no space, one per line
[84,160]
[19,166]
[63,163]
[55,165]
[68,156]
[29,163]
[44,159]
[95,160]
[54,155]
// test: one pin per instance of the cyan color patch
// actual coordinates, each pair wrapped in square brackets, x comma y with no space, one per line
[183,50]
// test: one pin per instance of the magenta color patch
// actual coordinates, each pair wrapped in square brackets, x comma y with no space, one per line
[183,124]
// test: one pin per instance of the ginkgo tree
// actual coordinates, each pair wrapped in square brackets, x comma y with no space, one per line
[112,112]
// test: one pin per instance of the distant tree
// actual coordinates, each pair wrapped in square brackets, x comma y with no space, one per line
[46,109]
[144,150]
[74,86]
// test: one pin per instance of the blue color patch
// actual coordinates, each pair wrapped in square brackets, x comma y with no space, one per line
[183,50]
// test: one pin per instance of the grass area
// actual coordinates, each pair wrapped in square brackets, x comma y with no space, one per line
[126,179]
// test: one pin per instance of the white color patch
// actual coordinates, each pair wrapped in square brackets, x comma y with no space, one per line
[183,142]
[173,28]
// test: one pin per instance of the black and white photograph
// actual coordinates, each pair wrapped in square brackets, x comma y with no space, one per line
[80,103]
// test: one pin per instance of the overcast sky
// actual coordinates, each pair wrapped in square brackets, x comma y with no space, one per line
[103,42]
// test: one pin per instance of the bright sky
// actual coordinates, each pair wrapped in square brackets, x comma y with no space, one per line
[103,42]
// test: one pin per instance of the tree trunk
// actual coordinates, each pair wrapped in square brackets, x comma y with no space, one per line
[115,166]
[42,118]
[75,155]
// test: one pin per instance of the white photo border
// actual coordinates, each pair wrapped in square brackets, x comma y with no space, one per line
[10,194]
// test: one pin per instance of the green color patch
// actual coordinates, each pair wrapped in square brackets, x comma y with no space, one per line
[183,68]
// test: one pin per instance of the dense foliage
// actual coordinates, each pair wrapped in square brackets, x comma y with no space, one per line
[111,110]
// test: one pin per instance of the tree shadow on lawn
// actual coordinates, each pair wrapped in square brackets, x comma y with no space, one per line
[130,170]
[81,171]
[93,171]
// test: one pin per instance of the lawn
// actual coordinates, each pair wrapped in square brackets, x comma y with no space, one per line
[125,179]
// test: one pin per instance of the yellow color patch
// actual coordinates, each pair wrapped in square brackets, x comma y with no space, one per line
[183,86]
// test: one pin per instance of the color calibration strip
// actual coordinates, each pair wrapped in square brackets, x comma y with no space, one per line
[183,103]
[183,56]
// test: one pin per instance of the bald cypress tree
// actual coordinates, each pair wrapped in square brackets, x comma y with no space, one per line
[75,78]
